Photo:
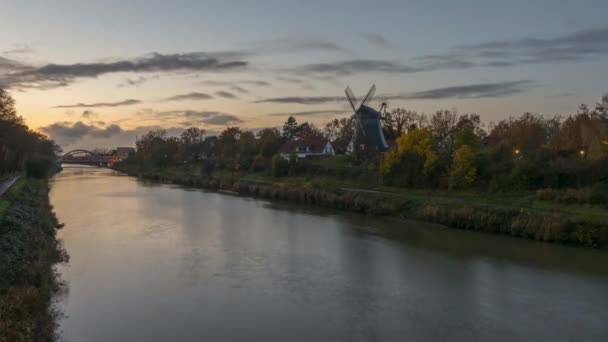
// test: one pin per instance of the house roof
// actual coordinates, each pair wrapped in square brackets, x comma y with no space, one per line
[316,145]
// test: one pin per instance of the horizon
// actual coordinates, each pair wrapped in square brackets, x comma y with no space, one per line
[89,75]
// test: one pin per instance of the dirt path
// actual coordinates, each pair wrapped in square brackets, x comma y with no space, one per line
[7,184]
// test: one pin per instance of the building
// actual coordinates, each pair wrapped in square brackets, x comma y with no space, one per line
[368,138]
[307,148]
[123,153]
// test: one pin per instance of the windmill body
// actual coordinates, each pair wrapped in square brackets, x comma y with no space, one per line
[368,137]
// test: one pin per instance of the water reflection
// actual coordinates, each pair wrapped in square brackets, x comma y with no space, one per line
[156,262]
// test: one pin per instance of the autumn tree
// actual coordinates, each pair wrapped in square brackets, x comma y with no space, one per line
[463,172]
[413,158]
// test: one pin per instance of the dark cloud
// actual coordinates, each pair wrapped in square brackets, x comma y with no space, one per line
[349,67]
[192,117]
[291,80]
[472,91]
[313,112]
[573,47]
[378,40]
[127,102]
[225,94]
[307,100]
[480,90]
[190,96]
[235,83]
[133,82]
[239,89]
[80,135]
[68,133]
[576,46]
[53,75]
[89,114]
[292,45]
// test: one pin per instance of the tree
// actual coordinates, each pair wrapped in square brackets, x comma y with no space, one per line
[307,130]
[280,166]
[290,128]
[412,159]
[191,141]
[399,120]
[463,170]
[269,142]
[228,147]
[247,150]
[18,144]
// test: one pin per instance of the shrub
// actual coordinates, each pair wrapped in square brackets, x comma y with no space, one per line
[280,166]
[38,168]
[599,193]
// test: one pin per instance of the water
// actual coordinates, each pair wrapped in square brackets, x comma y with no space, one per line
[154,262]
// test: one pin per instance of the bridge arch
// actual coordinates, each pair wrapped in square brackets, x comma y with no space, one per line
[82,156]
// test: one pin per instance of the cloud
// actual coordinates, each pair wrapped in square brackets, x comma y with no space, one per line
[68,133]
[89,114]
[239,89]
[293,44]
[19,49]
[312,112]
[78,135]
[225,94]
[378,40]
[191,117]
[54,75]
[127,102]
[575,46]
[190,96]
[349,67]
[307,100]
[236,82]
[470,91]
[133,82]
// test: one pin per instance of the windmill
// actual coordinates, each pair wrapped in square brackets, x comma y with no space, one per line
[368,136]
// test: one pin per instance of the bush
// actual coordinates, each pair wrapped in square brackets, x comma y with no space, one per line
[38,168]
[280,166]
[599,193]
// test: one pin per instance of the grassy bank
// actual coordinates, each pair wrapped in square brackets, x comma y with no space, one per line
[519,214]
[28,251]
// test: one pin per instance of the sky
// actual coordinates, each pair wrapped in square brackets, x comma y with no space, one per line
[99,73]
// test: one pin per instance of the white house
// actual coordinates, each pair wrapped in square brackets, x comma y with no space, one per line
[307,148]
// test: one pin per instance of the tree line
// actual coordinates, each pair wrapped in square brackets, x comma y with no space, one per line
[20,147]
[445,150]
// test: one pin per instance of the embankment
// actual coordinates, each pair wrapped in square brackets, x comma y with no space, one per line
[28,252]
[540,225]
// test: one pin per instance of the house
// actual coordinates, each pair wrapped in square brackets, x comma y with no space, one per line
[123,153]
[307,148]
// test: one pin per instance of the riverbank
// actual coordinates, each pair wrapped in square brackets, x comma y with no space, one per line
[518,214]
[29,250]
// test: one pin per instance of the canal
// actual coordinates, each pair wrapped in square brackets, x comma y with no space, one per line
[154,262]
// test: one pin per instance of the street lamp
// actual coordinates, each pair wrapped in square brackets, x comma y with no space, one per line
[582,153]
[516,151]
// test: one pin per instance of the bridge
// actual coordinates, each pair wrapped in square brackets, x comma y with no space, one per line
[85,157]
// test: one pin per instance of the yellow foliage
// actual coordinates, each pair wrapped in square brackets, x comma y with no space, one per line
[417,141]
[463,168]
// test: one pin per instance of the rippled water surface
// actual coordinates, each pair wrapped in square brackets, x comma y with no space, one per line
[152,262]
